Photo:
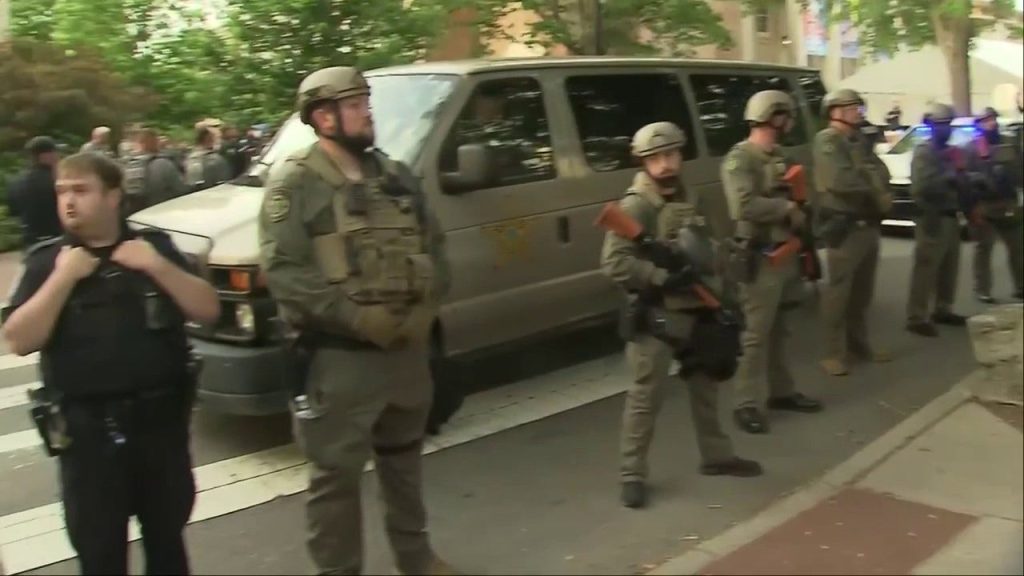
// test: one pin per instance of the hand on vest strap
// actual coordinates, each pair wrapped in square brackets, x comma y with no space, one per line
[378,324]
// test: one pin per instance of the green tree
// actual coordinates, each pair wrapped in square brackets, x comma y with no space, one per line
[887,26]
[676,26]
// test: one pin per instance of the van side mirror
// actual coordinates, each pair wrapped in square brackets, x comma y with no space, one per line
[473,170]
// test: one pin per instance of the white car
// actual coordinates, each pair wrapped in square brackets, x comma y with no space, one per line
[898,157]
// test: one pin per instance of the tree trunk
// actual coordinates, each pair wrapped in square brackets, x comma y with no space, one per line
[953,35]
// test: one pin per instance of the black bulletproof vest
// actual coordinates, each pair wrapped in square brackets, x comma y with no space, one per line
[117,334]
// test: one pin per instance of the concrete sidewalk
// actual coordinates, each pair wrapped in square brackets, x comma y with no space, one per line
[939,494]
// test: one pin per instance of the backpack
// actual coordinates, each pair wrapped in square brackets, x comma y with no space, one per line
[135,169]
[196,171]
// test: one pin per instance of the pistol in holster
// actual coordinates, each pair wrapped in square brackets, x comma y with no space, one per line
[834,227]
[632,318]
[745,262]
[299,352]
[50,421]
[193,368]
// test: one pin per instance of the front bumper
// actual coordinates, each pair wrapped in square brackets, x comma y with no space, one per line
[248,381]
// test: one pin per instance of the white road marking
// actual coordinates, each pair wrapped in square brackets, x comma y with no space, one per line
[19,440]
[9,361]
[35,538]
[14,396]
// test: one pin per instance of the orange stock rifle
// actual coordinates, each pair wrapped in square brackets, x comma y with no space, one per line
[802,242]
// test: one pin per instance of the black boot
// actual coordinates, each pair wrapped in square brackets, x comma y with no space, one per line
[795,402]
[750,420]
[949,319]
[923,329]
[634,494]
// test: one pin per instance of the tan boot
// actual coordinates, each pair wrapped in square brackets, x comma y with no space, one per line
[834,367]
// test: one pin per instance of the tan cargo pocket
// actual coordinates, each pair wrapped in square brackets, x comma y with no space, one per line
[331,256]
[421,276]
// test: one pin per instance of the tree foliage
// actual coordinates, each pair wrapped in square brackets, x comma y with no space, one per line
[886,26]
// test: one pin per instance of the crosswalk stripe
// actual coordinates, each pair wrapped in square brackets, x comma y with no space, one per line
[37,537]
[9,361]
[14,396]
[19,441]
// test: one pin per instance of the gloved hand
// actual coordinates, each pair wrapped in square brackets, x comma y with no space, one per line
[680,280]
[795,216]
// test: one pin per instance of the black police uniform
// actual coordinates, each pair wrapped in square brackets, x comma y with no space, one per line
[32,197]
[118,366]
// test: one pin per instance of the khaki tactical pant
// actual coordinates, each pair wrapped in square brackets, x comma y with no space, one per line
[985,238]
[936,266]
[764,370]
[848,293]
[375,402]
[650,359]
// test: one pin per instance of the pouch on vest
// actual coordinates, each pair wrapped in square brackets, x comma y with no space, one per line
[332,257]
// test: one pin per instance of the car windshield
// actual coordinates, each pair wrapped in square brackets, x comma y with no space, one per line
[961,135]
[404,107]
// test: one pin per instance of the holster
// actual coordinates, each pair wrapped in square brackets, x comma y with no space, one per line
[834,227]
[632,317]
[298,352]
[744,263]
[49,419]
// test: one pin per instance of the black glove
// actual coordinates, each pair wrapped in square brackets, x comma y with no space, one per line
[680,280]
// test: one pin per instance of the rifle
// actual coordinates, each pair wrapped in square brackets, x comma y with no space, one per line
[663,255]
[803,243]
[713,344]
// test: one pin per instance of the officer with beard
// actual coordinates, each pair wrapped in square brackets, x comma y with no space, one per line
[996,211]
[354,259]
[660,204]
[939,180]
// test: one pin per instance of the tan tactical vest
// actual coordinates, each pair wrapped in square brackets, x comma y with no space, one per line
[769,185]
[377,255]
[671,216]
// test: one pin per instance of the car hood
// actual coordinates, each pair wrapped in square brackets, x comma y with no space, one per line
[219,223]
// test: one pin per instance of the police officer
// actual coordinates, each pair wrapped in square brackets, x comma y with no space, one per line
[938,182]
[354,259]
[753,178]
[995,210]
[32,196]
[107,306]
[853,187]
[658,201]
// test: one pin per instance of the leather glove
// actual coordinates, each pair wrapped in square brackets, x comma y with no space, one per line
[680,280]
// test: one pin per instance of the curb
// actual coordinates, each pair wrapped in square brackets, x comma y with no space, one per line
[807,496]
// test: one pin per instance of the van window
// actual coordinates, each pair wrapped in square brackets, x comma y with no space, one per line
[814,94]
[610,109]
[722,100]
[508,117]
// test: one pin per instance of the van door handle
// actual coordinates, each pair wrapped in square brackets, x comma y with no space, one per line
[563,229]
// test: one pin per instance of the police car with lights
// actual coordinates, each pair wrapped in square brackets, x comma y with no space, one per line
[898,159]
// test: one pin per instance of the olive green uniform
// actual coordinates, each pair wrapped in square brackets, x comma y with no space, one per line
[852,186]
[649,357]
[359,266]
[758,201]
[937,234]
[998,215]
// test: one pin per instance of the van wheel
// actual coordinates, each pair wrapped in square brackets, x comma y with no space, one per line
[448,389]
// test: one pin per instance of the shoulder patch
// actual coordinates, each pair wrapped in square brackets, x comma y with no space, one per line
[278,205]
[732,163]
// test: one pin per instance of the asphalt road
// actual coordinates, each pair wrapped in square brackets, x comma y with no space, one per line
[524,480]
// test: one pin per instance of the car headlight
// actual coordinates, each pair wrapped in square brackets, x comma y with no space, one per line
[244,317]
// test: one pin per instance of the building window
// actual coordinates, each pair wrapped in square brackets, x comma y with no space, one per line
[761,20]
[609,109]
[508,117]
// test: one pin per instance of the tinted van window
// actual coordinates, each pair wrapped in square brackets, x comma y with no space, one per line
[722,100]
[609,109]
[508,117]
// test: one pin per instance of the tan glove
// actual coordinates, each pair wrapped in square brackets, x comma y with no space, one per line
[378,324]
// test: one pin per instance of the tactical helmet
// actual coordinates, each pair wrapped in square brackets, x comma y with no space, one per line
[332,83]
[938,112]
[765,104]
[841,97]
[657,137]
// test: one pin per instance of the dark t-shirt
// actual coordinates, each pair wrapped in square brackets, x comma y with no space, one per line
[33,199]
